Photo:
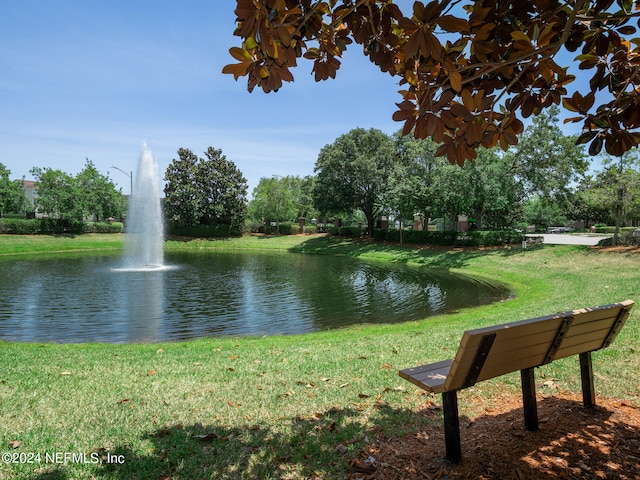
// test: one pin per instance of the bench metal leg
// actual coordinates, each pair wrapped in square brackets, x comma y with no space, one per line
[451,426]
[529,399]
[586,373]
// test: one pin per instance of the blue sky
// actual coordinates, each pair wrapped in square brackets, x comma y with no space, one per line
[94,79]
[97,78]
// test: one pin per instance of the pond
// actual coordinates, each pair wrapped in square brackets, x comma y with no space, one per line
[83,298]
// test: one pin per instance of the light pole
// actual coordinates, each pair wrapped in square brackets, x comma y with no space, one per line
[130,175]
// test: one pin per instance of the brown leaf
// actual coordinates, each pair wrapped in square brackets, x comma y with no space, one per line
[455,79]
[151,372]
[236,69]
[453,24]
[15,443]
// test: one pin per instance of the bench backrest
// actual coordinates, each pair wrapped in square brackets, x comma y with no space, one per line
[493,351]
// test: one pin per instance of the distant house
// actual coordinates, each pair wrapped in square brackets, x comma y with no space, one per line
[30,189]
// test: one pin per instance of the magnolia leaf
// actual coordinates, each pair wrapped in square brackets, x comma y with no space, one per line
[456,80]
[518,35]
[240,54]
[453,24]
[236,69]
[596,146]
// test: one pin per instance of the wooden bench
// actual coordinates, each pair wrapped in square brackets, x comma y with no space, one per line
[493,351]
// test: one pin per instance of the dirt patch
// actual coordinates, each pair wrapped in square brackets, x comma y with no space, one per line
[573,442]
[619,248]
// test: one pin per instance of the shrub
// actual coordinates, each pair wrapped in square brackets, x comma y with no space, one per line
[103,227]
[348,231]
[624,238]
[612,230]
[205,231]
[285,228]
[55,226]
[253,227]
[449,238]
[19,226]
[489,238]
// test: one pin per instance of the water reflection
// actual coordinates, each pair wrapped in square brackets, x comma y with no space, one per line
[79,299]
[145,304]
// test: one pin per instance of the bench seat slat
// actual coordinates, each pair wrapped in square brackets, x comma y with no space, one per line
[428,377]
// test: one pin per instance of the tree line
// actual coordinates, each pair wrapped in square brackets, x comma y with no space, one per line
[64,198]
[363,175]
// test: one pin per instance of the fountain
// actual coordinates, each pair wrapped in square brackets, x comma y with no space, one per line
[145,228]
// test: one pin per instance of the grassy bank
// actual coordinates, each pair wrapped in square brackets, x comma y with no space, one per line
[48,244]
[283,407]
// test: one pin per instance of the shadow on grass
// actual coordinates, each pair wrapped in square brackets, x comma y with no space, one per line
[317,446]
[432,256]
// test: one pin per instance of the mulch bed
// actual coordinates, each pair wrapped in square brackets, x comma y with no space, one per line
[573,442]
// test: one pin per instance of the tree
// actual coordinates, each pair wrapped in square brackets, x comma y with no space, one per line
[494,192]
[12,198]
[411,191]
[547,162]
[58,194]
[353,173]
[621,183]
[209,191]
[449,192]
[543,213]
[469,73]
[590,202]
[100,199]
[281,199]
[485,188]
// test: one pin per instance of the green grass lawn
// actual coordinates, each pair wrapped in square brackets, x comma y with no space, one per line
[288,406]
